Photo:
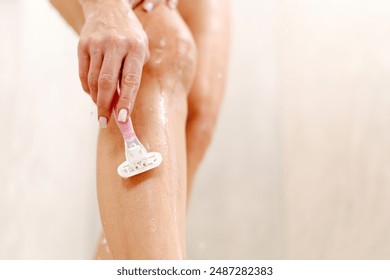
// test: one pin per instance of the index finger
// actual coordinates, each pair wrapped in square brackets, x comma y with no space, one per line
[130,82]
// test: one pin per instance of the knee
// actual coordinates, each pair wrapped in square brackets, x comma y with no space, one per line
[183,58]
[201,124]
[172,50]
[174,58]
[203,109]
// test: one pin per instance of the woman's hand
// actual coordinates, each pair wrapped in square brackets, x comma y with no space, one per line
[113,48]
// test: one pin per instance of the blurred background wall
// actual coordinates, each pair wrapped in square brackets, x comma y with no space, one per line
[48,127]
[299,166]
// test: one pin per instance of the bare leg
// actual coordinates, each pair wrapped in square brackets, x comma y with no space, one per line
[205,21]
[144,217]
[102,250]
[209,23]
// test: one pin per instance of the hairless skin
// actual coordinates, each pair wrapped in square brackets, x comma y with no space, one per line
[144,217]
[209,22]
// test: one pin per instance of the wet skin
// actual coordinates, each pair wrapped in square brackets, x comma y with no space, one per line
[175,113]
[144,217]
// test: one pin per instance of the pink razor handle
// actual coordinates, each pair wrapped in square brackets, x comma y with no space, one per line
[126,128]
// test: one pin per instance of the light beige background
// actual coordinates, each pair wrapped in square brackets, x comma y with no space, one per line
[300,164]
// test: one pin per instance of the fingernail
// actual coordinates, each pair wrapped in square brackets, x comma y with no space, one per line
[122,115]
[172,4]
[148,6]
[102,122]
[132,3]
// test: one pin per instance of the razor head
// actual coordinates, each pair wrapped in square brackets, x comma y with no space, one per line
[138,161]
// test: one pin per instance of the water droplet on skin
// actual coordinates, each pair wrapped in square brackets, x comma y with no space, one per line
[163,115]
[104,243]
[163,43]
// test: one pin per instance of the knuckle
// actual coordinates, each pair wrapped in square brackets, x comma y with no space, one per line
[94,44]
[106,81]
[82,45]
[92,81]
[138,46]
[92,41]
[113,40]
[119,43]
[96,53]
[83,76]
[124,45]
[92,77]
[131,80]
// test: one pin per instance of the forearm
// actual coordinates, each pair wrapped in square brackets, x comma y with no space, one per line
[75,11]
[71,11]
